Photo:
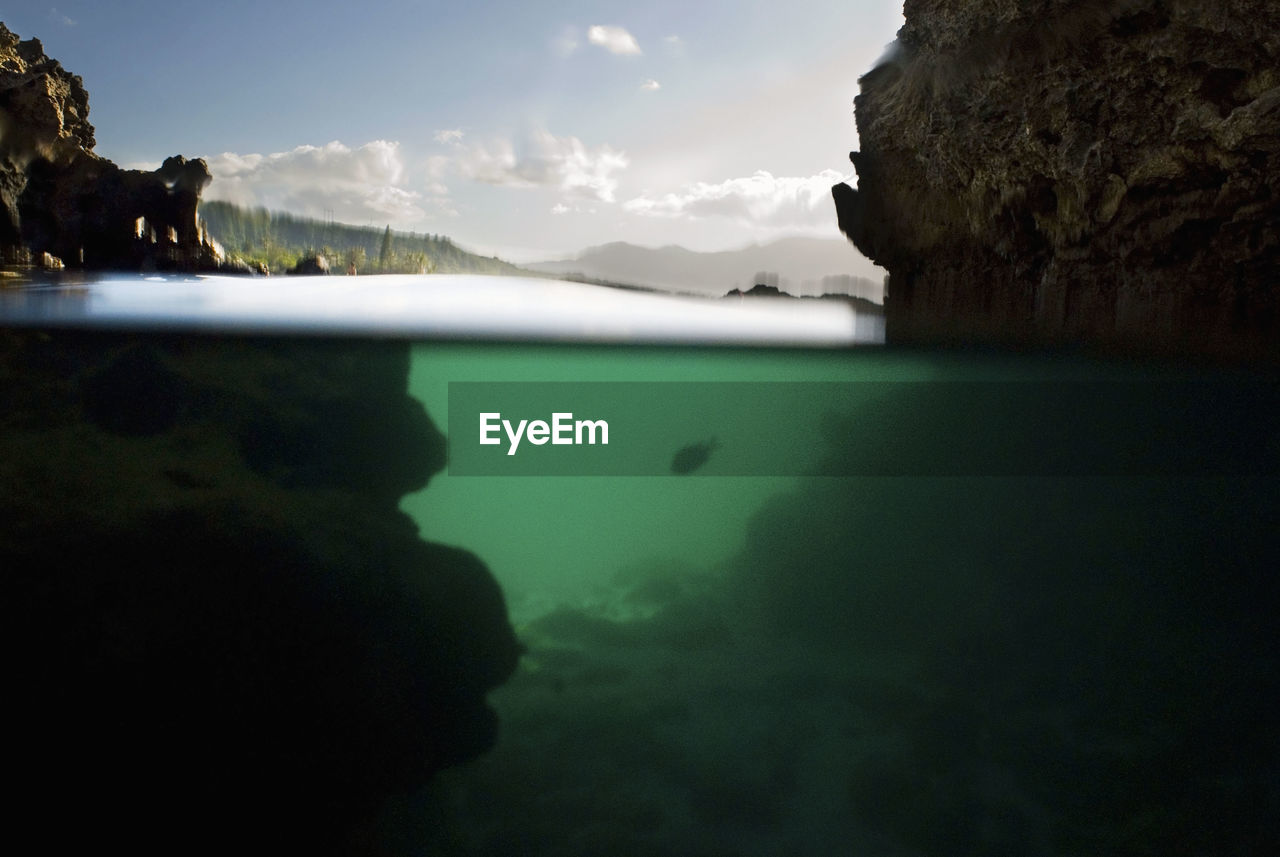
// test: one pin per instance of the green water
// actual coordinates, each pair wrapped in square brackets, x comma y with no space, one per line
[553,540]
[934,664]
[559,539]
[1034,616]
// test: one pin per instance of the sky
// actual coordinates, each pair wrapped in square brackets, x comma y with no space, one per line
[524,130]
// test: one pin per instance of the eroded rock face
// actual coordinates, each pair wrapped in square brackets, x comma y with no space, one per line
[221,631]
[57,197]
[1104,171]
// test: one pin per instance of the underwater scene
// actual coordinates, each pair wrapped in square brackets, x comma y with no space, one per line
[1067,658]
[258,606]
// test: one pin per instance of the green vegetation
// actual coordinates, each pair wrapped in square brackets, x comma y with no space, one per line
[278,240]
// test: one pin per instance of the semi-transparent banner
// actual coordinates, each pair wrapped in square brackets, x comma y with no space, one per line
[908,428]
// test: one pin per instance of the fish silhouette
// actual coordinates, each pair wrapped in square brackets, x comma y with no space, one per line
[689,458]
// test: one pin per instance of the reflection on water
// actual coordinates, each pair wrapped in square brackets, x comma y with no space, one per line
[436,306]
[243,574]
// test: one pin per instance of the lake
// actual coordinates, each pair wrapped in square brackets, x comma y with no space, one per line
[901,602]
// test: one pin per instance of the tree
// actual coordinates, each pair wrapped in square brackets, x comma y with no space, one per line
[355,257]
[384,254]
[418,262]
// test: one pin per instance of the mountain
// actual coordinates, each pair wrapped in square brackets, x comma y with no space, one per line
[803,266]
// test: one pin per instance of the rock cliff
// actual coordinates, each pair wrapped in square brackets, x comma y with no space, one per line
[1104,171]
[220,630]
[58,198]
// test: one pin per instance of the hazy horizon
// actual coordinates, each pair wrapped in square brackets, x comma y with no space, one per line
[798,265]
[526,133]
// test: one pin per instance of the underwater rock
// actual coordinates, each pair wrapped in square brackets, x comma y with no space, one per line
[1044,634]
[58,198]
[219,623]
[1105,171]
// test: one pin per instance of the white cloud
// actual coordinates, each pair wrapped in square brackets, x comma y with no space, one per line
[565,44]
[651,85]
[544,160]
[359,185]
[439,166]
[675,44]
[449,135]
[441,205]
[59,18]
[760,199]
[615,40]
[575,208]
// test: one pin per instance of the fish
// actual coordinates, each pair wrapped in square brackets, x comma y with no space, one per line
[689,458]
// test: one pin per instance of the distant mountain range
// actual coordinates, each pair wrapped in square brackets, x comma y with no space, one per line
[801,266]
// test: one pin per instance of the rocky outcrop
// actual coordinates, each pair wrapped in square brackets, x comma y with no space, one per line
[310,265]
[58,197]
[220,628]
[1104,171]
[759,290]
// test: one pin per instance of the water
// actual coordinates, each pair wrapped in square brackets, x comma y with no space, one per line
[438,307]
[614,522]
[1015,630]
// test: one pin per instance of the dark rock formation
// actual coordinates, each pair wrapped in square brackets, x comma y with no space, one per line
[759,290]
[221,630]
[57,197]
[1098,671]
[311,265]
[1106,171]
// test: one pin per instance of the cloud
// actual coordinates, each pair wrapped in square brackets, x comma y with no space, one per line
[760,199]
[439,166]
[675,44]
[651,85]
[450,135]
[575,208]
[363,184]
[615,40]
[59,18]
[544,160]
[565,44]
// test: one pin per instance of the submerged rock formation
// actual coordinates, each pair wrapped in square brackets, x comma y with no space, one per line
[58,198]
[1103,171]
[222,634]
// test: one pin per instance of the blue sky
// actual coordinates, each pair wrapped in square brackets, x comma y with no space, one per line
[527,130]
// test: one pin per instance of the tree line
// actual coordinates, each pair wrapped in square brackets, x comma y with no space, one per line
[279,240]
